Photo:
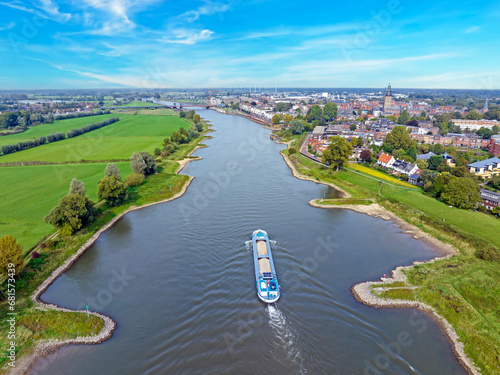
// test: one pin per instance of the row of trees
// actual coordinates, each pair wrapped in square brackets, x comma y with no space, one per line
[88,128]
[53,137]
[179,137]
[82,114]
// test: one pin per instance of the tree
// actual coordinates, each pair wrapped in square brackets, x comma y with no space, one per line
[412,152]
[473,115]
[182,114]
[435,161]
[143,163]
[77,187]
[337,153]
[412,123]
[484,133]
[404,117]
[73,212]
[276,119]
[438,185]
[330,111]
[113,190]
[11,253]
[196,118]
[366,155]
[112,170]
[422,164]
[462,192]
[296,126]
[427,176]
[398,138]
[352,127]
[314,113]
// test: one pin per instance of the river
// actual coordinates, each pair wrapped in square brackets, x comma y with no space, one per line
[178,278]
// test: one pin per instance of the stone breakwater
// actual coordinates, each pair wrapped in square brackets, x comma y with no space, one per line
[45,348]
[363,293]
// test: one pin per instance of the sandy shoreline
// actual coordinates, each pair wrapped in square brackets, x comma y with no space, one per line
[376,210]
[362,292]
[45,348]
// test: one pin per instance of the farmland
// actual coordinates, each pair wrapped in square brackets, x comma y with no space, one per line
[30,192]
[58,126]
[115,141]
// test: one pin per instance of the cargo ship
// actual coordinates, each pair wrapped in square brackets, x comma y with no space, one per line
[268,288]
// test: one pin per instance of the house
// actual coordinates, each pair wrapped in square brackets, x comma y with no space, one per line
[485,168]
[448,159]
[404,167]
[413,179]
[490,199]
[385,160]
[425,156]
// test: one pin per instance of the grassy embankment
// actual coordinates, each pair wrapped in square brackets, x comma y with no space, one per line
[35,201]
[464,289]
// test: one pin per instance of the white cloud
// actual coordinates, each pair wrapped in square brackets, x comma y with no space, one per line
[41,8]
[209,8]
[473,29]
[186,37]
[7,26]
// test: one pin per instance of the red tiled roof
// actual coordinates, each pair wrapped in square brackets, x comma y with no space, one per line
[384,158]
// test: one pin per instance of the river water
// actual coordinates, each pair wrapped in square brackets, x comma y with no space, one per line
[178,278]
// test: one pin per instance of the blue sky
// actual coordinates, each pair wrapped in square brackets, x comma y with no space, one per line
[236,43]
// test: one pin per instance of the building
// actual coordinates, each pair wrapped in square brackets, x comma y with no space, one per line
[387,98]
[413,179]
[490,199]
[404,167]
[494,146]
[485,168]
[425,156]
[385,160]
[474,125]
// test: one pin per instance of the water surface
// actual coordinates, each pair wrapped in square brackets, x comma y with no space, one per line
[178,279]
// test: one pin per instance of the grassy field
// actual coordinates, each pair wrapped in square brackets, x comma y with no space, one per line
[29,192]
[379,175]
[58,126]
[136,103]
[26,204]
[463,289]
[115,141]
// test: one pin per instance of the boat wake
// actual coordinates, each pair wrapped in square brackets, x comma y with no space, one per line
[274,244]
[248,244]
[286,336]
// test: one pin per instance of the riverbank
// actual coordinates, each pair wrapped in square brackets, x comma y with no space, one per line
[460,292]
[300,176]
[378,211]
[364,293]
[162,187]
[248,117]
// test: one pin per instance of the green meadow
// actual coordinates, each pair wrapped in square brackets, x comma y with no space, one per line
[112,142]
[29,193]
[61,126]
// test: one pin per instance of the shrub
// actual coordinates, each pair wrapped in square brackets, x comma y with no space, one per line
[50,243]
[135,179]
[199,127]
[489,253]
[291,151]
[35,255]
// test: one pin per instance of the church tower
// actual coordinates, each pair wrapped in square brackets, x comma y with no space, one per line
[387,98]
